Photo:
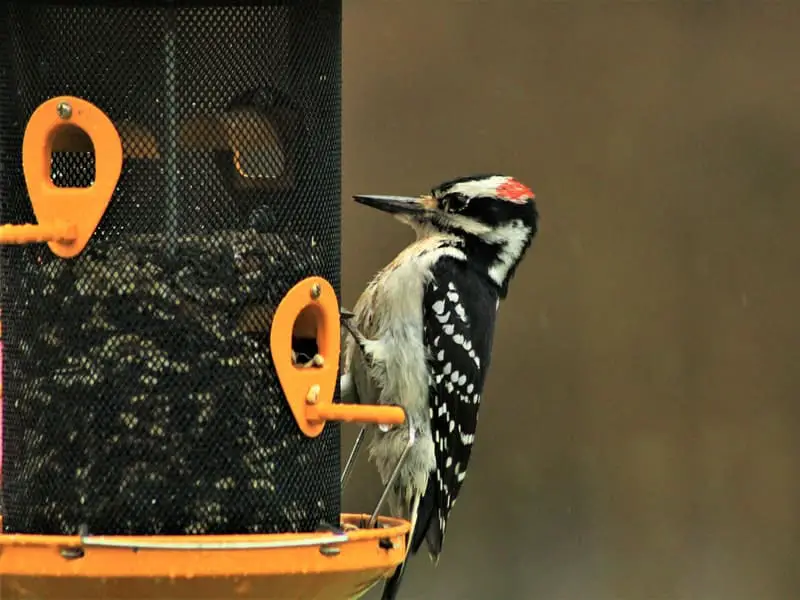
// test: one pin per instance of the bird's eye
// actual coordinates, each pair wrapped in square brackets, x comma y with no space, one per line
[454,203]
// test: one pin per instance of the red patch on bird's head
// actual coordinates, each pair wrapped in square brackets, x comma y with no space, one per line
[514,191]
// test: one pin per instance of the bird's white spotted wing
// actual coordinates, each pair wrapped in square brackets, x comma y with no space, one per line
[459,324]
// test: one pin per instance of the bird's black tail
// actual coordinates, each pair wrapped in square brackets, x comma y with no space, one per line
[423,511]
[393,585]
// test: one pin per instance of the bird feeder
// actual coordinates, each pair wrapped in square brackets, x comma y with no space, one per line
[170,208]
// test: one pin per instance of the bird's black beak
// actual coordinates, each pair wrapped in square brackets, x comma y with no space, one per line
[396,205]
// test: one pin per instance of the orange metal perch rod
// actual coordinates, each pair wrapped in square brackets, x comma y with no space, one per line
[353,413]
[63,233]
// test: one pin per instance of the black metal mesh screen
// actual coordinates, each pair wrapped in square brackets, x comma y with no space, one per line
[139,393]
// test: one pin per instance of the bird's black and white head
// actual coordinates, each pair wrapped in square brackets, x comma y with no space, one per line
[493,217]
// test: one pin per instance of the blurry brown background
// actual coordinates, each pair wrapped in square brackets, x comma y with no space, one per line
[638,437]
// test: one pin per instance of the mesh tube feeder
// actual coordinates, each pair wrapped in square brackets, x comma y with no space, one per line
[170,243]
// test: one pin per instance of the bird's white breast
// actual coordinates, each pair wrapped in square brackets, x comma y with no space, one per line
[390,313]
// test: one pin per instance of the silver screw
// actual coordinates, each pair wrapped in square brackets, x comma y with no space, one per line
[329,550]
[64,110]
[72,553]
[316,290]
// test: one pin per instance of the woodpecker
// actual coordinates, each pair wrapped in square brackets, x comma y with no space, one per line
[420,336]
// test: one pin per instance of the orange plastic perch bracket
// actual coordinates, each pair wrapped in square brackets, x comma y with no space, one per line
[310,391]
[67,217]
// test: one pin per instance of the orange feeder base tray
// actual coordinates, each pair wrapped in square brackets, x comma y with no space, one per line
[315,566]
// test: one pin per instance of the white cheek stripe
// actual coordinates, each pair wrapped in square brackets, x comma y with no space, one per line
[514,236]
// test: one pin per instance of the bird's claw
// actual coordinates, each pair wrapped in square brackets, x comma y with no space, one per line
[346,318]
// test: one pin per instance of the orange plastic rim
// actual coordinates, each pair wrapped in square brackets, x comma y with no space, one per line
[80,208]
[32,566]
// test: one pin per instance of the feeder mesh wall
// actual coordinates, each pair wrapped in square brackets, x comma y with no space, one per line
[140,397]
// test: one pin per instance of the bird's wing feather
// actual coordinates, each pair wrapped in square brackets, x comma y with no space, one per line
[459,319]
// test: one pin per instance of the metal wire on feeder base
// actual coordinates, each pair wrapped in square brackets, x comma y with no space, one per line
[169,200]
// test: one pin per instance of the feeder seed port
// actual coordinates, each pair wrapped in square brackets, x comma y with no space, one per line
[316,361]
[66,226]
